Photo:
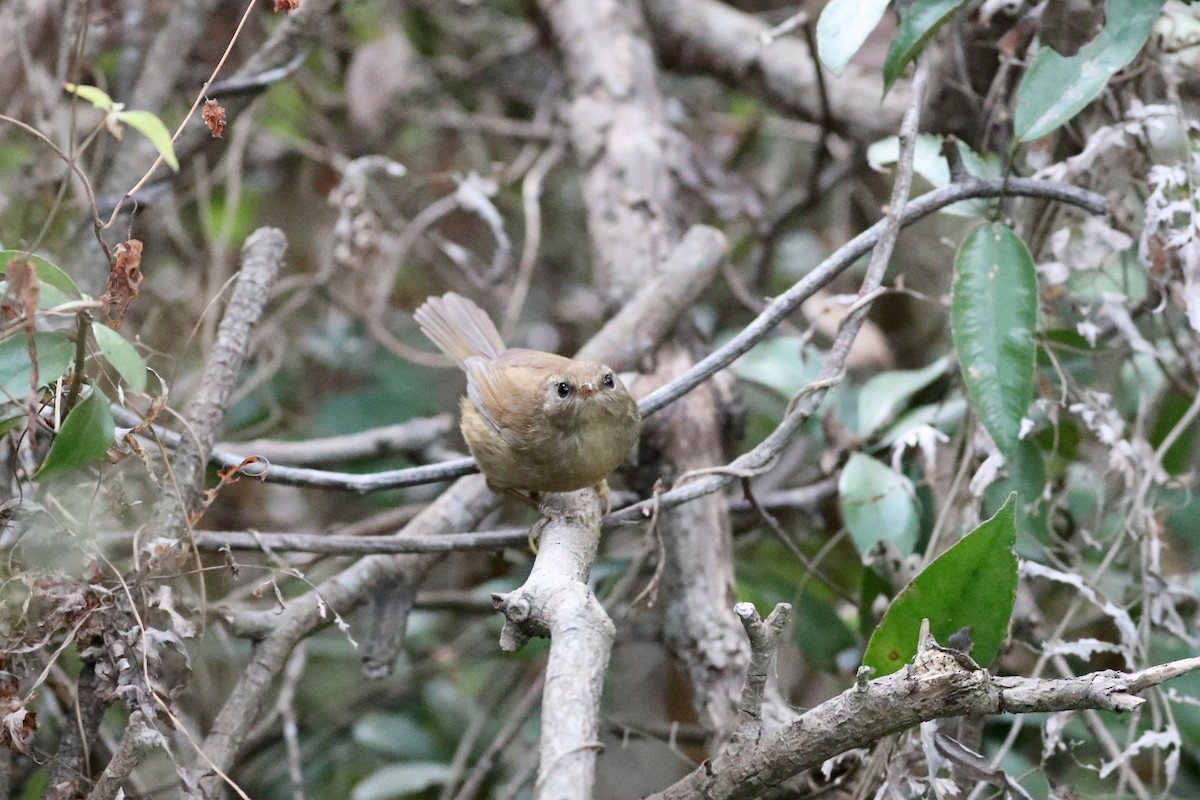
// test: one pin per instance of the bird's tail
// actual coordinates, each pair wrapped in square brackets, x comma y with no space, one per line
[459,328]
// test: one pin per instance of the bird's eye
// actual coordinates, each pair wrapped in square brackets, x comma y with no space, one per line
[608,380]
[564,389]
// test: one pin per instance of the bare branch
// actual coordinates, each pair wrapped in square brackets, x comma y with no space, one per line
[415,434]
[359,545]
[764,640]
[935,686]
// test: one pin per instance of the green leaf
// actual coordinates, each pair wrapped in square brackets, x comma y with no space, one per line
[1057,88]
[843,27]
[48,296]
[47,273]
[54,353]
[930,164]
[783,363]
[888,392]
[10,422]
[401,780]
[878,504]
[992,314]
[916,27]
[85,436]
[153,129]
[971,585]
[97,97]
[122,355]
[394,735]
[946,416]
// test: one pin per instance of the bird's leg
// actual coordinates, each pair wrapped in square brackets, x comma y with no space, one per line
[601,489]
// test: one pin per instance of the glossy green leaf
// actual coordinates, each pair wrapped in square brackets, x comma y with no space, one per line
[401,780]
[47,272]
[153,129]
[843,27]
[84,437]
[888,392]
[122,355]
[917,25]
[1056,88]
[992,314]
[94,95]
[878,504]
[54,353]
[971,585]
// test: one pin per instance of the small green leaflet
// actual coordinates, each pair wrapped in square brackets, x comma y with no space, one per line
[993,311]
[972,585]
[930,164]
[122,355]
[889,392]
[84,437]
[143,122]
[878,504]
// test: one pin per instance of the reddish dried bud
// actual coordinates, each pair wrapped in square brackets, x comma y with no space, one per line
[284,6]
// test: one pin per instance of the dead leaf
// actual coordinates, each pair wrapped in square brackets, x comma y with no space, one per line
[124,281]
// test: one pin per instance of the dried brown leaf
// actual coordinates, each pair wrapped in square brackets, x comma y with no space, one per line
[124,281]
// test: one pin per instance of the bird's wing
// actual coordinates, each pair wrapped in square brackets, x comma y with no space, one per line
[507,393]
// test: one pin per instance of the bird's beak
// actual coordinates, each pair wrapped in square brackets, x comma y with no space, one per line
[587,389]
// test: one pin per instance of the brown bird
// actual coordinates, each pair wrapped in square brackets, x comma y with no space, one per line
[534,421]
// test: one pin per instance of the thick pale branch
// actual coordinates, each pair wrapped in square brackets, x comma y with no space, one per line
[711,37]
[262,256]
[555,601]
[643,322]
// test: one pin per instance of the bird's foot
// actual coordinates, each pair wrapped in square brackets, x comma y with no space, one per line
[535,533]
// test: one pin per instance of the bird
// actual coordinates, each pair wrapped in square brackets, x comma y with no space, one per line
[535,422]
